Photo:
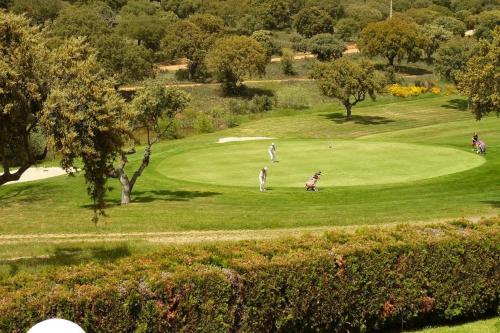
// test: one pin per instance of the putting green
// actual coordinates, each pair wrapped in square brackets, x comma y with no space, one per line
[347,163]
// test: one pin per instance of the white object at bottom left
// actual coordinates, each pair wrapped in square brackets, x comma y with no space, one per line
[56,326]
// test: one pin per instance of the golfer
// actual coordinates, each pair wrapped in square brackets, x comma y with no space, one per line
[272,152]
[262,179]
[475,140]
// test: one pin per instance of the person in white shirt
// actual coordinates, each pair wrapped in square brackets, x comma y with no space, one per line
[262,179]
[272,152]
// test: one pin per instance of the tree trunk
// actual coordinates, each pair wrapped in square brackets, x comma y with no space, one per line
[126,184]
[348,108]
[391,60]
[126,189]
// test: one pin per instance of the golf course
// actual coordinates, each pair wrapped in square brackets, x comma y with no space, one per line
[249,166]
[398,161]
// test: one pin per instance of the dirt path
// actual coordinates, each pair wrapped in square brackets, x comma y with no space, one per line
[185,237]
[171,237]
[351,48]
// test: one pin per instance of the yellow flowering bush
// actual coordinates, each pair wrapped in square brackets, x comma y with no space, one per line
[435,90]
[406,91]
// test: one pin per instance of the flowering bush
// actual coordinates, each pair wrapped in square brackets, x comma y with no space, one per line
[406,91]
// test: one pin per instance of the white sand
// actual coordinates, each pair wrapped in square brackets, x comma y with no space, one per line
[37,173]
[243,138]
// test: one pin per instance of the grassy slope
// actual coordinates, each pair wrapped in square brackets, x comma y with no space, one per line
[482,326]
[60,205]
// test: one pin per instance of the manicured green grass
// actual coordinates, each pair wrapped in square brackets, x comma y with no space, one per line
[343,163]
[481,326]
[163,200]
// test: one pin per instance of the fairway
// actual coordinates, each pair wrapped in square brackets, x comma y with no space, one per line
[343,163]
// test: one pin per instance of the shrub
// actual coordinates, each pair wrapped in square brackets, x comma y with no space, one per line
[182,74]
[203,123]
[261,103]
[258,104]
[415,90]
[287,59]
[367,280]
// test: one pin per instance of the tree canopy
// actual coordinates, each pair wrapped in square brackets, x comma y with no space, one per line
[392,38]
[311,21]
[63,92]
[234,57]
[154,109]
[84,117]
[348,81]
[23,90]
[265,38]
[144,22]
[480,80]
[452,56]
[326,46]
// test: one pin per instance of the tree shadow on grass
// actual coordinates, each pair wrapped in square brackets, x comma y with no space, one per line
[340,118]
[159,195]
[65,256]
[247,92]
[494,203]
[26,192]
[456,104]
[167,195]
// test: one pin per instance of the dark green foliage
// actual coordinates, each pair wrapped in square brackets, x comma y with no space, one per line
[287,59]
[312,21]
[364,14]
[452,56]
[145,22]
[79,21]
[247,24]
[187,40]
[183,8]
[234,58]
[363,281]
[451,24]
[266,39]
[334,8]
[326,46]
[38,10]
[125,60]
[277,14]
[113,4]
[258,104]
[347,29]
[485,23]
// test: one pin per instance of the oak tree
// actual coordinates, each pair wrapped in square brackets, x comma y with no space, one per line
[326,46]
[393,39]
[154,110]
[480,80]
[233,58]
[348,81]
[311,21]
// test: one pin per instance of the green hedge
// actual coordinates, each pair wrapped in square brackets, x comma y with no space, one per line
[363,279]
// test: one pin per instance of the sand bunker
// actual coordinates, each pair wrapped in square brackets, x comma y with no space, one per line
[243,138]
[38,173]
